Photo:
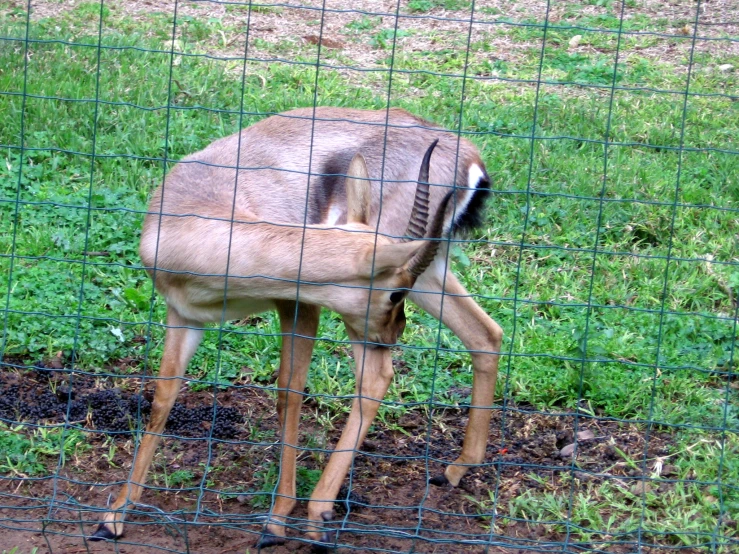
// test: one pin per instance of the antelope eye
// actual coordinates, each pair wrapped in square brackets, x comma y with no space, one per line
[396,297]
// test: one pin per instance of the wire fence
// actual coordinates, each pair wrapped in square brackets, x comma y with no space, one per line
[606,251]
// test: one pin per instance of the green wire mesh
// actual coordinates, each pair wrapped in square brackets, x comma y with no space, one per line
[608,253]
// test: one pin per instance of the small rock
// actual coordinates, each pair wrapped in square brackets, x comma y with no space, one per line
[65,394]
[585,435]
[575,41]
[349,498]
[668,470]
[567,451]
[664,488]
[725,68]
[640,488]
[726,521]
[326,42]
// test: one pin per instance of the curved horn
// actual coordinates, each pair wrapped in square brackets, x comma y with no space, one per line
[426,255]
[420,214]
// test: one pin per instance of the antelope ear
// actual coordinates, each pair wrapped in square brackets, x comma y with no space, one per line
[358,191]
[387,256]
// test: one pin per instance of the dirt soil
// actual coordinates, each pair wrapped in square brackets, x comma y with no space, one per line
[391,507]
[304,22]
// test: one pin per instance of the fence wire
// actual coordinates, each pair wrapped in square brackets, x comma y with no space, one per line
[607,252]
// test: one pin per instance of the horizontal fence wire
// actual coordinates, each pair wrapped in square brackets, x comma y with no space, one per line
[606,421]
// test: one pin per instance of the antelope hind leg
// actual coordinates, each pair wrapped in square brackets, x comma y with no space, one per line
[181,340]
[297,348]
[483,337]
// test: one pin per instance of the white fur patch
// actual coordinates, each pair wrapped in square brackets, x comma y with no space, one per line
[334,213]
[475,174]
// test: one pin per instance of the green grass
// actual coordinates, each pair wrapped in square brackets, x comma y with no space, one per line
[571,260]
[667,509]
[70,202]
[423,6]
[177,479]
[58,176]
[362,24]
[386,37]
[26,454]
[255,8]
[266,482]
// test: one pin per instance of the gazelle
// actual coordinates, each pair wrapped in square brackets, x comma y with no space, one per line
[282,233]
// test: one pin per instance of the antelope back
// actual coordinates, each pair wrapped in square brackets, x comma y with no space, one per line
[277,154]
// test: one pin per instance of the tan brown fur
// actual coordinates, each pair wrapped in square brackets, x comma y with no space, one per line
[193,254]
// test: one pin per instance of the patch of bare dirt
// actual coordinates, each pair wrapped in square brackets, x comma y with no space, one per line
[391,506]
[296,26]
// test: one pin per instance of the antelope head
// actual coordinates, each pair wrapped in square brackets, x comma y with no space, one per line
[387,269]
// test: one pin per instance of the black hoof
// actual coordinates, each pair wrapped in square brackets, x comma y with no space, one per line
[268,539]
[327,544]
[102,533]
[439,480]
[328,538]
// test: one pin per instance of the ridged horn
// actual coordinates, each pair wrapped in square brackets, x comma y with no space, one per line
[420,214]
[421,261]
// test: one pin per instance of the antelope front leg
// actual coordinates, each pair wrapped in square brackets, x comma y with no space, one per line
[374,373]
[181,340]
[294,363]
[483,337]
